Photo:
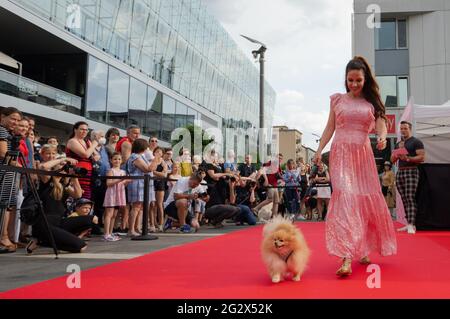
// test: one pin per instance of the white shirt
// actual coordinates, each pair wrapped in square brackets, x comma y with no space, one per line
[181,187]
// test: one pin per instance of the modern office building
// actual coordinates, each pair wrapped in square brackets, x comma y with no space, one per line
[160,64]
[409,52]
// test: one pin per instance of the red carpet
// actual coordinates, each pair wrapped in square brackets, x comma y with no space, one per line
[230,266]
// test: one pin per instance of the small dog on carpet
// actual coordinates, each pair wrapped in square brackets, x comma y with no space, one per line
[284,249]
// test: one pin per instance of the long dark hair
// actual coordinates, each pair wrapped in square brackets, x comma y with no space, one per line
[7,111]
[371,90]
[76,126]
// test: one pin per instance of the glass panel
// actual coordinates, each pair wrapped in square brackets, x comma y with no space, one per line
[191,117]
[138,104]
[180,44]
[118,87]
[154,108]
[388,90]
[97,88]
[402,91]
[402,34]
[168,119]
[180,119]
[385,36]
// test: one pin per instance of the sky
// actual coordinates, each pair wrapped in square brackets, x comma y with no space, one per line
[309,44]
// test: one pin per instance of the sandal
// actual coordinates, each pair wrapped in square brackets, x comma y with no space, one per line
[346,268]
[365,260]
[31,247]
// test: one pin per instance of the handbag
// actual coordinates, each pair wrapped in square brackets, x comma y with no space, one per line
[384,190]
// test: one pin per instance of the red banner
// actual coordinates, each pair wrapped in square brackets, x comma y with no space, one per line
[390,123]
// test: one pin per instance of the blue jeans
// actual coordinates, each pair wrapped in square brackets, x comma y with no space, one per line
[292,199]
[245,215]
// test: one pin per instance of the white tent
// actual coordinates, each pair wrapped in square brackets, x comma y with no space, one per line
[431,124]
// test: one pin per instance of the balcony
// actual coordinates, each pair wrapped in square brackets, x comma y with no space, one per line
[27,89]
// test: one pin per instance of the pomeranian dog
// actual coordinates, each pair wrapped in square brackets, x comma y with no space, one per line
[284,249]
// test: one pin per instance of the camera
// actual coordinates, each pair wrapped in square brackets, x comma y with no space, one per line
[252,184]
[314,170]
[76,170]
[230,178]
[15,142]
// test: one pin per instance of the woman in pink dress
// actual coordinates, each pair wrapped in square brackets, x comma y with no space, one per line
[358,220]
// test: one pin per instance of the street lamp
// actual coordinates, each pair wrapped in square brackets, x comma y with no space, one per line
[317,141]
[260,52]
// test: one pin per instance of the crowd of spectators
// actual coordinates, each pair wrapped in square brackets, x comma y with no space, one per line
[185,192]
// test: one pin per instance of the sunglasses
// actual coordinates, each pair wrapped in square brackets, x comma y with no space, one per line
[154,141]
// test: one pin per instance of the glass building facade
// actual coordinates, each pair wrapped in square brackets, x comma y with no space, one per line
[174,42]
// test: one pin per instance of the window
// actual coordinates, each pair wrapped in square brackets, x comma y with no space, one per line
[393,90]
[391,35]
[168,118]
[97,89]
[118,88]
[180,118]
[388,90]
[154,109]
[402,88]
[138,104]
[385,36]
[401,34]
[191,116]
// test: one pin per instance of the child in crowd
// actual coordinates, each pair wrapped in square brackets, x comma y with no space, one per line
[83,207]
[115,196]
[138,165]
[200,204]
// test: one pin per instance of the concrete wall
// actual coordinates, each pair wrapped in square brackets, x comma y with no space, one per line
[428,43]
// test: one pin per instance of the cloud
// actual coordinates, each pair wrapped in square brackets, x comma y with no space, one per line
[309,44]
[292,112]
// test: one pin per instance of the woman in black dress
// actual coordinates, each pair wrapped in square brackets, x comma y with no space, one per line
[53,192]
[160,185]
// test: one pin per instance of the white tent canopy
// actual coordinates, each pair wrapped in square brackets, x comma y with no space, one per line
[431,124]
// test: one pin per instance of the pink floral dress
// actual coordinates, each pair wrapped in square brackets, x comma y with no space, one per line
[358,221]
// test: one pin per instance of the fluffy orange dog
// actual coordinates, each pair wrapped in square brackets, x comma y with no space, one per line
[284,249]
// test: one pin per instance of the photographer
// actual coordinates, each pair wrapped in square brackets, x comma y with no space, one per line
[218,189]
[53,192]
[179,200]
[10,118]
[245,214]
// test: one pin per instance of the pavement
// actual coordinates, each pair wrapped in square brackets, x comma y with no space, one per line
[19,269]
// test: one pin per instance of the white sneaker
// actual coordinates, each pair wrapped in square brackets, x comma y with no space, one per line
[301,217]
[404,228]
[411,229]
[110,238]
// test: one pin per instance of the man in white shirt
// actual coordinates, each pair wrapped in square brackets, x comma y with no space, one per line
[180,198]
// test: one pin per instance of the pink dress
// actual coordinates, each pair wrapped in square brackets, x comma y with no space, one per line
[115,195]
[358,220]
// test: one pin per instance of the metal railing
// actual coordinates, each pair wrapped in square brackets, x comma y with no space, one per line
[30,90]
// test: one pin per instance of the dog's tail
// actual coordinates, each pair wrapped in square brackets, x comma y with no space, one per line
[274,223]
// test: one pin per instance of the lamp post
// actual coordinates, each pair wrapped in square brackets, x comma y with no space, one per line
[317,141]
[260,52]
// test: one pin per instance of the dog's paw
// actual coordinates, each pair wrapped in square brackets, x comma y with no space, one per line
[296,277]
[276,278]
